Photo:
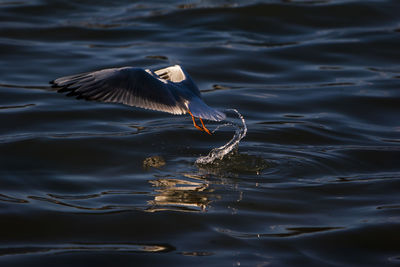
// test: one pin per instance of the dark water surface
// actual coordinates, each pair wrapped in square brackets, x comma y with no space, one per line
[316,181]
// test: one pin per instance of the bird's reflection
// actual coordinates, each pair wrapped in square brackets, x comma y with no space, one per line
[194,192]
[190,193]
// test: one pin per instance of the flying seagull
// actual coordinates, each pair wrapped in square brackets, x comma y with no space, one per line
[169,90]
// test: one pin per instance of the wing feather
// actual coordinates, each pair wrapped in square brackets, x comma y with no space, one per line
[127,85]
[170,90]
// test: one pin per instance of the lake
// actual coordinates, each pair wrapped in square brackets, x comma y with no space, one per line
[315,181]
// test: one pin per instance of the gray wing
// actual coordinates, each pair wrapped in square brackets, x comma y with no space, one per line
[127,85]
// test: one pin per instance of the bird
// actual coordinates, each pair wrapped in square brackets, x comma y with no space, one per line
[169,89]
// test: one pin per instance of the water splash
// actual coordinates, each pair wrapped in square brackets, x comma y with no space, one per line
[219,153]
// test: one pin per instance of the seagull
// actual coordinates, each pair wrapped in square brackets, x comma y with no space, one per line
[169,90]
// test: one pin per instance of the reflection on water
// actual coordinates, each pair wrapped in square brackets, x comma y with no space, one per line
[153,162]
[280,231]
[6,198]
[87,247]
[103,202]
[193,194]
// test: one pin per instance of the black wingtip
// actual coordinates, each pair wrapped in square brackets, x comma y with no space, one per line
[62,89]
[54,86]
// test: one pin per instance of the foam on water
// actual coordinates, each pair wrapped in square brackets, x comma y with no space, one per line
[219,153]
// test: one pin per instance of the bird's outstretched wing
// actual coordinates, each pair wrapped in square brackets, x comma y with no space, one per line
[127,85]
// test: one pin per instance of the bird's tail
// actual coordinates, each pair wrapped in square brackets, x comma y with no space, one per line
[201,110]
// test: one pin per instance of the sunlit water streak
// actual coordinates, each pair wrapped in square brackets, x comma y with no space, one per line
[219,153]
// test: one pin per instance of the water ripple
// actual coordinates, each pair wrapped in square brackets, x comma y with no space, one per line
[87,247]
[314,183]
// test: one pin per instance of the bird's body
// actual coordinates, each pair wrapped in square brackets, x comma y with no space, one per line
[169,90]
